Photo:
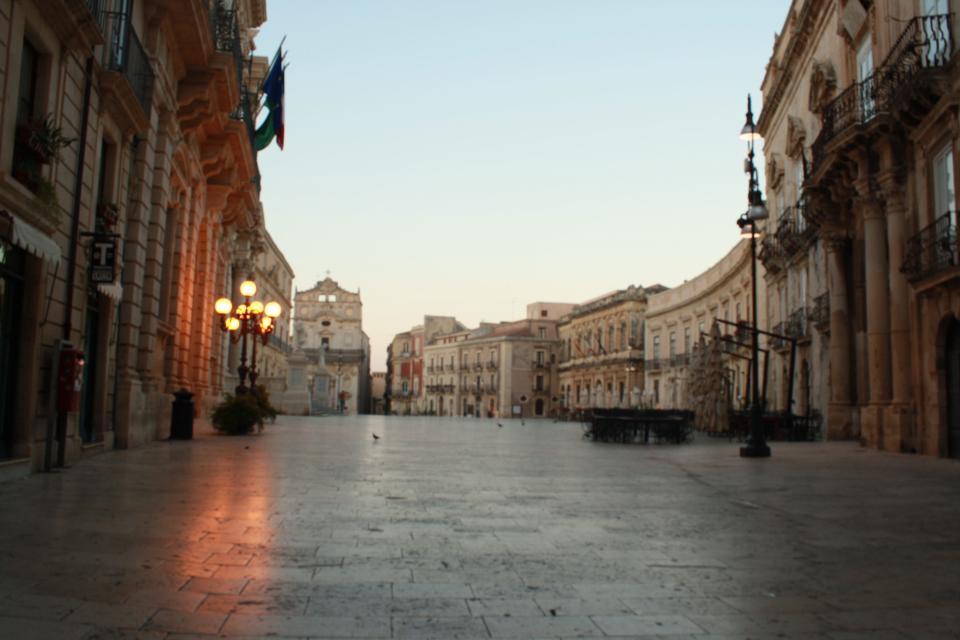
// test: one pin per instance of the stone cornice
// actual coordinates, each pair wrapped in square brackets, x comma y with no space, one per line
[801,30]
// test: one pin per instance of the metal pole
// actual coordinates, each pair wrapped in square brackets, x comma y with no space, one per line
[757,447]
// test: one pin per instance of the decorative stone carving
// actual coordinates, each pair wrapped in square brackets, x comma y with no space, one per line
[823,83]
[796,136]
[774,172]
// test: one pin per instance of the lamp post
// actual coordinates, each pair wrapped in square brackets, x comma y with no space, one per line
[248,317]
[756,210]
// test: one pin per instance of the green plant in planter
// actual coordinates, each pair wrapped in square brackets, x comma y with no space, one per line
[46,193]
[267,410]
[237,415]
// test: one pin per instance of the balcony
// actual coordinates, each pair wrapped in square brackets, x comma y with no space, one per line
[903,87]
[430,369]
[491,365]
[77,22]
[654,364]
[820,313]
[796,325]
[127,75]
[680,360]
[793,231]
[932,250]
[778,343]
[772,254]
[538,364]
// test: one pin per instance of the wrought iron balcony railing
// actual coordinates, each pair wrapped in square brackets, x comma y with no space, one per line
[933,249]
[926,43]
[776,341]
[124,53]
[653,364]
[820,313]
[536,364]
[492,365]
[680,360]
[793,230]
[796,325]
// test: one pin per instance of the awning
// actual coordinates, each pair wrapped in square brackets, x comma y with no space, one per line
[34,241]
[113,291]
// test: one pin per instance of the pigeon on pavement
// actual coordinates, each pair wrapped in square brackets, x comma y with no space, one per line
[376,437]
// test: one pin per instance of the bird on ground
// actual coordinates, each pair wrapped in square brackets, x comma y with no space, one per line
[375,437]
[522,423]
[500,425]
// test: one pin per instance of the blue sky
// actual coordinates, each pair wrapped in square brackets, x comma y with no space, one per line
[467,157]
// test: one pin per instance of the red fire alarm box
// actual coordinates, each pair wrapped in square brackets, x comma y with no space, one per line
[69,379]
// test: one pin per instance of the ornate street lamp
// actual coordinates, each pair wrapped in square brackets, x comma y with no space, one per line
[249,317]
[756,210]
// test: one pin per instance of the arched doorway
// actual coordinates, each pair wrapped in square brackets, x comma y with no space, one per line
[952,349]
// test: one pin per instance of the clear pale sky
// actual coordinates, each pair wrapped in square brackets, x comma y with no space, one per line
[466,157]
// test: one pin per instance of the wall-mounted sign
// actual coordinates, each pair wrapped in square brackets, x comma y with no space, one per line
[104,259]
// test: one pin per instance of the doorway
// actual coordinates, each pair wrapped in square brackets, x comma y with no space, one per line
[12,262]
[953,389]
[91,350]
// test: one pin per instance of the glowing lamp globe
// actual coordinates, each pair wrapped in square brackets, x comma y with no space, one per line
[223,306]
[256,307]
[272,309]
[233,324]
[265,322]
[248,288]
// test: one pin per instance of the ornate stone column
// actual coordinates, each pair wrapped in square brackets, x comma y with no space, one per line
[839,422]
[900,428]
[877,272]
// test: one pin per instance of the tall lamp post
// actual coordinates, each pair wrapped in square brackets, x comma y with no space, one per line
[250,317]
[756,210]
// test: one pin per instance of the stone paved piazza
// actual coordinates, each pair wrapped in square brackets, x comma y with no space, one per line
[450,528]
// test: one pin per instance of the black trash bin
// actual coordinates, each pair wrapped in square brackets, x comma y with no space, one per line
[181,420]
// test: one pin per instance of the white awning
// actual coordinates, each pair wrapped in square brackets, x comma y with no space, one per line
[34,241]
[113,291]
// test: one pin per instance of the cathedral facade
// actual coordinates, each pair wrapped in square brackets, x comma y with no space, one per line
[328,330]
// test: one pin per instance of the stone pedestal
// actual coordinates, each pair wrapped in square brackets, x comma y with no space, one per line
[871,426]
[839,422]
[295,400]
[899,429]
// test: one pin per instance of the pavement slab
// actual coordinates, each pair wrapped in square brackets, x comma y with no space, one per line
[454,528]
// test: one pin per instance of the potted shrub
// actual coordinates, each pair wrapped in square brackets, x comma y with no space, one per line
[41,139]
[237,415]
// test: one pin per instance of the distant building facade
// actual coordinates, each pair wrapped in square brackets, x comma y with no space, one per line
[378,392]
[678,319]
[601,350]
[405,365]
[328,329]
[497,370]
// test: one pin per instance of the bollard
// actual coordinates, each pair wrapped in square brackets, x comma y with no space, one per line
[181,419]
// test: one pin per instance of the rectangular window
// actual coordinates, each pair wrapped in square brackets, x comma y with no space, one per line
[944,196]
[23,162]
[539,383]
[673,344]
[686,340]
[543,333]
[656,347]
[540,360]
[623,336]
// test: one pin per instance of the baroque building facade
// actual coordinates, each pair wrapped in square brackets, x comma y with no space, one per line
[861,127]
[601,350]
[154,102]
[680,319]
[328,329]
